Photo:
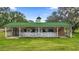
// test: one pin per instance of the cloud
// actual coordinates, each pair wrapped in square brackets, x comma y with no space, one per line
[13,8]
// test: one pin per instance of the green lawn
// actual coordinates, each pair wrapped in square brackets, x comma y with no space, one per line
[37,44]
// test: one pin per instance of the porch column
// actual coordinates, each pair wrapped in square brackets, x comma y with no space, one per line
[57,31]
[19,32]
[5,31]
[67,31]
[41,29]
[38,29]
[64,31]
[70,31]
[38,33]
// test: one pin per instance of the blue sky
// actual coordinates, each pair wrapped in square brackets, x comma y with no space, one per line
[32,13]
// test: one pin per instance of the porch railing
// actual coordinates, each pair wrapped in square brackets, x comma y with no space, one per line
[38,34]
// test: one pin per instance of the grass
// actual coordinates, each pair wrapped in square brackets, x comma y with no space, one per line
[39,44]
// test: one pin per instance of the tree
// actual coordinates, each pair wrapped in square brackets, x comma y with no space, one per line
[4,9]
[7,16]
[54,17]
[67,14]
[4,15]
[16,17]
[70,14]
[30,21]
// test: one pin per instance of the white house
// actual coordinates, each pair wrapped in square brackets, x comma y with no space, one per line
[38,29]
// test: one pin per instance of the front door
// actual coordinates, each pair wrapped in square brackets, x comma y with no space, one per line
[15,32]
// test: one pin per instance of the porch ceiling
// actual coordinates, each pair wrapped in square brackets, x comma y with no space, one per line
[46,24]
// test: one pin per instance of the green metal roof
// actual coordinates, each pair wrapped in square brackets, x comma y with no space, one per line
[41,24]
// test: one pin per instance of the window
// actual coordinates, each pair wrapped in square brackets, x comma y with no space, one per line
[45,30]
[28,30]
[24,30]
[50,30]
[33,30]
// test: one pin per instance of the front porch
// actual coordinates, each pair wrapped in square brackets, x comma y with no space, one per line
[37,32]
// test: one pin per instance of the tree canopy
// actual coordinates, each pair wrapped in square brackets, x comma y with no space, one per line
[7,16]
[68,14]
[53,17]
